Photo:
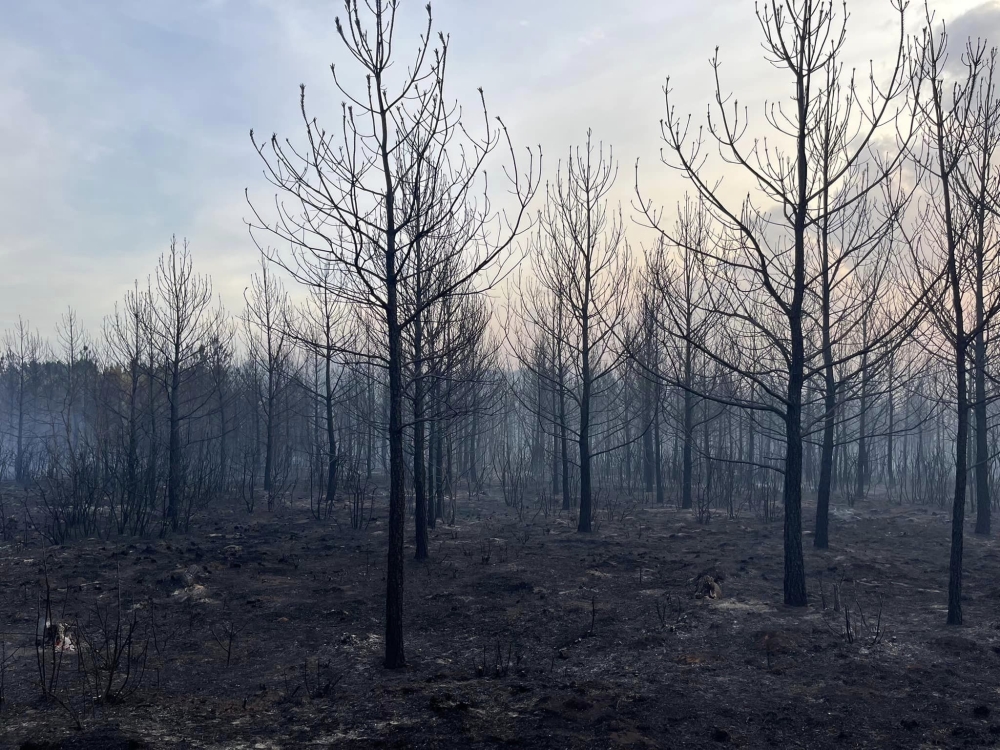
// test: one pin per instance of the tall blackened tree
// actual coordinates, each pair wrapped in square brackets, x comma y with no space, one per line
[579,299]
[958,135]
[351,191]
[760,269]
[267,320]
[182,321]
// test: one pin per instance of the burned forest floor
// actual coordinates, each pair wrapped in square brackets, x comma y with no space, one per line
[266,631]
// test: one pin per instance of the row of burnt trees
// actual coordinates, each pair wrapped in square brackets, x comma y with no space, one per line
[176,403]
[869,224]
[885,436]
[893,432]
[875,228]
[129,430]
[767,341]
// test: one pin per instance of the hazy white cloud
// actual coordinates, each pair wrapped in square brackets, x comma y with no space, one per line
[980,22]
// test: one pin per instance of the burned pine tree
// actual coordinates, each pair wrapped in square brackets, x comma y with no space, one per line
[323,328]
[266,322]
[954,166]
[351,189]
[677,282]
[759,264]
[577,301]
[127,398]
[182,320]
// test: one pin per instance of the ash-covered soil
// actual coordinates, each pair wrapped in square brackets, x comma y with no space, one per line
[519,633]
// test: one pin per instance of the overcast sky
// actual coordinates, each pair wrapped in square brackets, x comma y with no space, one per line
[124,121]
